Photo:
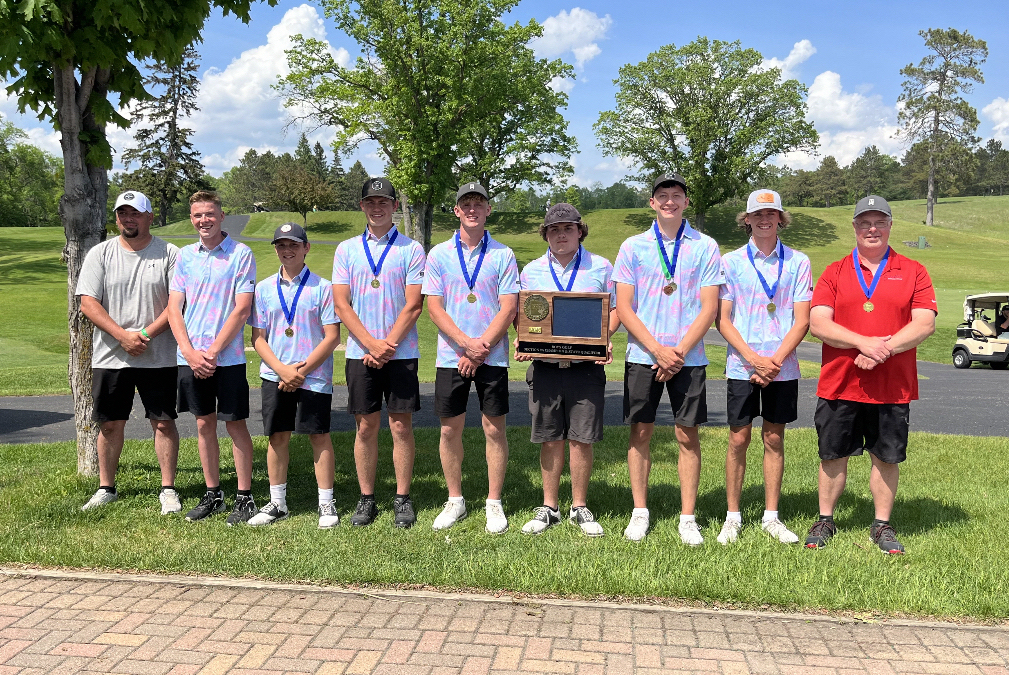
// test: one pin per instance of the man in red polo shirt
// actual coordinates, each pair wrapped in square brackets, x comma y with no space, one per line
[871,309]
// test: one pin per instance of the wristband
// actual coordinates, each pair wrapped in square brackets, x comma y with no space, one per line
[143,331]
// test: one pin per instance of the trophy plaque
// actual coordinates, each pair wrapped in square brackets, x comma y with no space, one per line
[559,325]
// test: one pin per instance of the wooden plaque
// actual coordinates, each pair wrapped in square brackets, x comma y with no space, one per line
[559,325]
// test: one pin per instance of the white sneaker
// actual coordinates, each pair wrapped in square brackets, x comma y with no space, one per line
[270,513]
[690,533]
[450,515]
[777,529]
[170,502]
[637,528]
[328,517]
[545,517]
[497,521]
[730,532]
[583,518]
[100,498]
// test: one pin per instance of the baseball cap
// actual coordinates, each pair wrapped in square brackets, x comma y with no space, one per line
[137,200]
[562,213]
[674,178]
[470,188]
[872,203]
[378,187]
[763,199]
[291,231]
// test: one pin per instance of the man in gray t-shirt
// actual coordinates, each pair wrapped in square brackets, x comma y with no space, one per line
[123,289]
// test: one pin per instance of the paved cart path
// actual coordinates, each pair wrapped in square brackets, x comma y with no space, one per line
[65,622]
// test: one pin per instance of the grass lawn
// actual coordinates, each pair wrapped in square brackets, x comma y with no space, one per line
[967,255]
[946,513]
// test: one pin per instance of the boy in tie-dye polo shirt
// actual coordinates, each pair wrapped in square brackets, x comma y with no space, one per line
[214,281]
[472,287]
[763,315]
[294,331]
[667,296]
[377,278]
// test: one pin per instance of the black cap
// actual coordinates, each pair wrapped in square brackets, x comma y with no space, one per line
[470,188]
[667,179]
[291,231]
[872,203]
[378,187]
[562,213]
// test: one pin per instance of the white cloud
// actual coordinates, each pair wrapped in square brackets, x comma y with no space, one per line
[998,112]
[801,51]
[562,84]
[831,106]
[239,109]
[576,31]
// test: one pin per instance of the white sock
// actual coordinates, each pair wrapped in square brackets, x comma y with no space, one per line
[639,512]
[687,519]
[457,500]
[325,496]
[491,502]
[733,516]
[769,516]
[278,495]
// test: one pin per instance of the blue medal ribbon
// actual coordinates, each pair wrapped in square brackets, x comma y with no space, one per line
[377,269]
[574,272]
[668,269]
[289,315]
[869,290]
[770,290]
[479,262]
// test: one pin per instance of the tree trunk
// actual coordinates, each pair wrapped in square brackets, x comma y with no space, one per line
[82,210]
[408,228]
[698,222]
[425,218]
[930,198]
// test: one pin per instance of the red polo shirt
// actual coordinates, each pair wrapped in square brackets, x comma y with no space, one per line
[903,286]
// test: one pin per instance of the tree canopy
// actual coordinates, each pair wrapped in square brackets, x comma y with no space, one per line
[708,111]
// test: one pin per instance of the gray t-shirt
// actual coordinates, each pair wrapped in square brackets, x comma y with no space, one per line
[133,288]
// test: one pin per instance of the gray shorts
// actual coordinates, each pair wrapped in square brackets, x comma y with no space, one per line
[687,395]
[566,403]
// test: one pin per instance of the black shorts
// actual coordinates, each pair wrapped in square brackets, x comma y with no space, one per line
[846,428]
[566,403]
[451,391]
[225,393]
[642,394]
[396,382]
[113,389]
[302,411]
[777,403]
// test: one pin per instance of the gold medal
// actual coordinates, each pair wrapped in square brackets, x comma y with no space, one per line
[375,283]
[668,289]
[771,307]
[471,298]
[868,306]
[289,332]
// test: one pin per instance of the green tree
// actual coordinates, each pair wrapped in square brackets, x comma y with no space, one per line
[431,71]
[798,188]
[168,163]
[935,110]
[871,173]
[353,182]
[828,182]
[954,171]
[993,168]
[64,58]
[30,181]
[708,111]
[299,189]
[572,196]
[248,184]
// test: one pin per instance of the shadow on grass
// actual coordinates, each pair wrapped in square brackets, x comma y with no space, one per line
[46,267]
[328,228]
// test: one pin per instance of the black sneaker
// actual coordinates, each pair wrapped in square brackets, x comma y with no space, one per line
[883,535]
[544,517]
[270,513]
[403,508]
[365,513]
[211,503]
[820,533]
[245,509]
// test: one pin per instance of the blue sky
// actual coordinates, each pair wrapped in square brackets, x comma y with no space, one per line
[849,55]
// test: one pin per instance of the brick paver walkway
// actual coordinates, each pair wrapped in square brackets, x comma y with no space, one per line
[56,622]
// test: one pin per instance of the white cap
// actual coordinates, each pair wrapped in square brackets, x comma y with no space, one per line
[137,200]
[763,199]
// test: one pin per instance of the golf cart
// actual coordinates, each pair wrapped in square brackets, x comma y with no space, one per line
[977,337]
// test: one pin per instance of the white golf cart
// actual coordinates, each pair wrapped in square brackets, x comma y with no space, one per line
[977,337]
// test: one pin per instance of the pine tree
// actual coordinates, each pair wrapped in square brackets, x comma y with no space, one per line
[353,182]
[168,163]
[338,179]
